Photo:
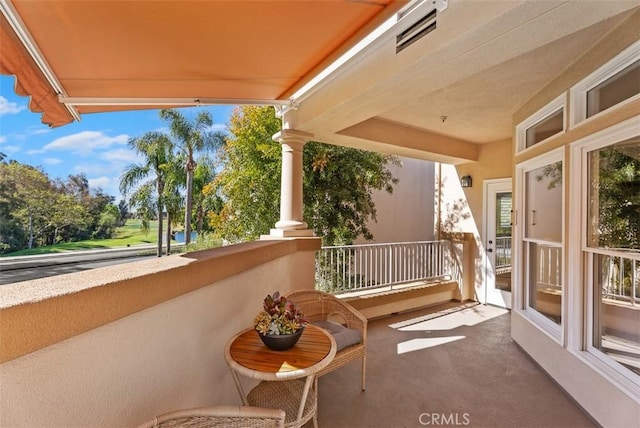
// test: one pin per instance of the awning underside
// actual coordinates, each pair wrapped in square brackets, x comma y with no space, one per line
[120,55]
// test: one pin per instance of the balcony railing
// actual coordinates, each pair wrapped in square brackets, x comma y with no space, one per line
[503,254]
[363,267]
[549,259]
[618,275]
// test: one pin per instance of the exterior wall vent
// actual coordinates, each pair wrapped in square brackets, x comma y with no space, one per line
[416,31]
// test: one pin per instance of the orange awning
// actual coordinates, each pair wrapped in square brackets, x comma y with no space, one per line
[117,55]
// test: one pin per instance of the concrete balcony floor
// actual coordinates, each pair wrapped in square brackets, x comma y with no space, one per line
[454,364]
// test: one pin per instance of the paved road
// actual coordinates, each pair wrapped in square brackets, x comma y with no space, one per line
[8,276]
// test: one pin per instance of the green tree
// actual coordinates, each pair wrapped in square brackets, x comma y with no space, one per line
[618,196]
[190,138]
[203,175]
[28,197]
[66,212]
[249,182]
[107,223]
[173,199]
[157,151]
[338,182]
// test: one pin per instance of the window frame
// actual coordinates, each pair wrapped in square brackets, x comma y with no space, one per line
[557,104]
[582,298]
[578,92]
[521,266]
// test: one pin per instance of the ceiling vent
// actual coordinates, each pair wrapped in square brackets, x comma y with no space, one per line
[417,30]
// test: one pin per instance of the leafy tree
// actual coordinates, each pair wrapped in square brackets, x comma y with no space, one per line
[338,182]
[107,223]
[250,179]
[28,193]
[202,176]
[124,212]
[337,211]
[191,137]
[156,149]
[12,235]
[173,200]
[618,196]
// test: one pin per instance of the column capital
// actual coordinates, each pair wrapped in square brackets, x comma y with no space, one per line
[292,136]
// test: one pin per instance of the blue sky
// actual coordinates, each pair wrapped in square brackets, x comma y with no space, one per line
[95,146]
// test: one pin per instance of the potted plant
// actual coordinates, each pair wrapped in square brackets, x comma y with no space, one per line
[280,323]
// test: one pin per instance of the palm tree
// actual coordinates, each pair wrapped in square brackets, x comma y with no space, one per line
[191,137]
[203,175]
[156,149]
[173,200]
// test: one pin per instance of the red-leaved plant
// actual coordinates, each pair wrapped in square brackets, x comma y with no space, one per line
[279,316]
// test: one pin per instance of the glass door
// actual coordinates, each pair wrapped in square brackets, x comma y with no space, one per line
[497,242]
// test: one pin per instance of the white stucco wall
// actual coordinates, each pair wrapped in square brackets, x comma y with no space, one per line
[167,357]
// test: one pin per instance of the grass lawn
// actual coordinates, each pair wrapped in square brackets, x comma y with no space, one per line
[128,235]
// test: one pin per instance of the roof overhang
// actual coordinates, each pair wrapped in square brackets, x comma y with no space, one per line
[76,57]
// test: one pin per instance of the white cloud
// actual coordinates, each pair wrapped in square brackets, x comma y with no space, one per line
[34,152]
[96,168]
[38,130]
[51,161]
[216,127]
[102,182]
[121,155]
[85,142]
[2,139]
[11,149]
[7,107]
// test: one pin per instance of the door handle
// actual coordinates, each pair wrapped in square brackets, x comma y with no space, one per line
[489,250]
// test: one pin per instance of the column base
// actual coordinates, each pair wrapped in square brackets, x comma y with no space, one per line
[291,233]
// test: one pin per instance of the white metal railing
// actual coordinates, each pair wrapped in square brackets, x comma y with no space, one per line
[617,272]
[503,254]
[369,266]
[549,265]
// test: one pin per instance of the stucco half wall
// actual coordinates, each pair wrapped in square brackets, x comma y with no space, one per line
[164,356]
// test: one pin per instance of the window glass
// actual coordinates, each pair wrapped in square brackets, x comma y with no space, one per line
[613,238]
[547,127]
[614,196]
[545,279]
[543,240]
[619,87]
[544,203]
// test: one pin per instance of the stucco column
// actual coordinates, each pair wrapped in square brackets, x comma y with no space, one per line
[291,222]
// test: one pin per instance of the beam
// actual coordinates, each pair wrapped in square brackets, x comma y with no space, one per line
[434,146]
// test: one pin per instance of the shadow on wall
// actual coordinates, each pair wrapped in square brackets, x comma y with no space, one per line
[455,217]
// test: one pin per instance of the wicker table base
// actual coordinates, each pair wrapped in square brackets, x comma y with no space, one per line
[285,396]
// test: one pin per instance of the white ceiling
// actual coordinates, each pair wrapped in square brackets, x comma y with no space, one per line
[483,62]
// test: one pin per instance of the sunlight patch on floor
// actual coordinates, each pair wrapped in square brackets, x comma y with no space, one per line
[424,343]
[466,317]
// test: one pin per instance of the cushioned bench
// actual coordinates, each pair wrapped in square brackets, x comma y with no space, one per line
[346,324]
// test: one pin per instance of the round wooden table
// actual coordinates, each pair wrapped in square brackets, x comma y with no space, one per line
[287,376]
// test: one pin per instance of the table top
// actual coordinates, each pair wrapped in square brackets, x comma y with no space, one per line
[246,354]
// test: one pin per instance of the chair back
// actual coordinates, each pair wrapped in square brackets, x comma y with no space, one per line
[219,417]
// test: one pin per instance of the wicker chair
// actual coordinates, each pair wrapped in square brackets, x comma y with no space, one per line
[219,417]
[321,306]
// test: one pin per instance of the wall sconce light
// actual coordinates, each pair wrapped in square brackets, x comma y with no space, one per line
[466,181]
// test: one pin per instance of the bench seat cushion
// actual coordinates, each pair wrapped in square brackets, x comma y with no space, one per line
[343,336]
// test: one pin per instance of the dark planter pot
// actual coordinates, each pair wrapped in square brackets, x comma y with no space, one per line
[280,342]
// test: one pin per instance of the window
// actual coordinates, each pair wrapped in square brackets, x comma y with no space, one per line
[613,251]
[541,262]
[613,84]
[619,87]
[544,124]
[547,127]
